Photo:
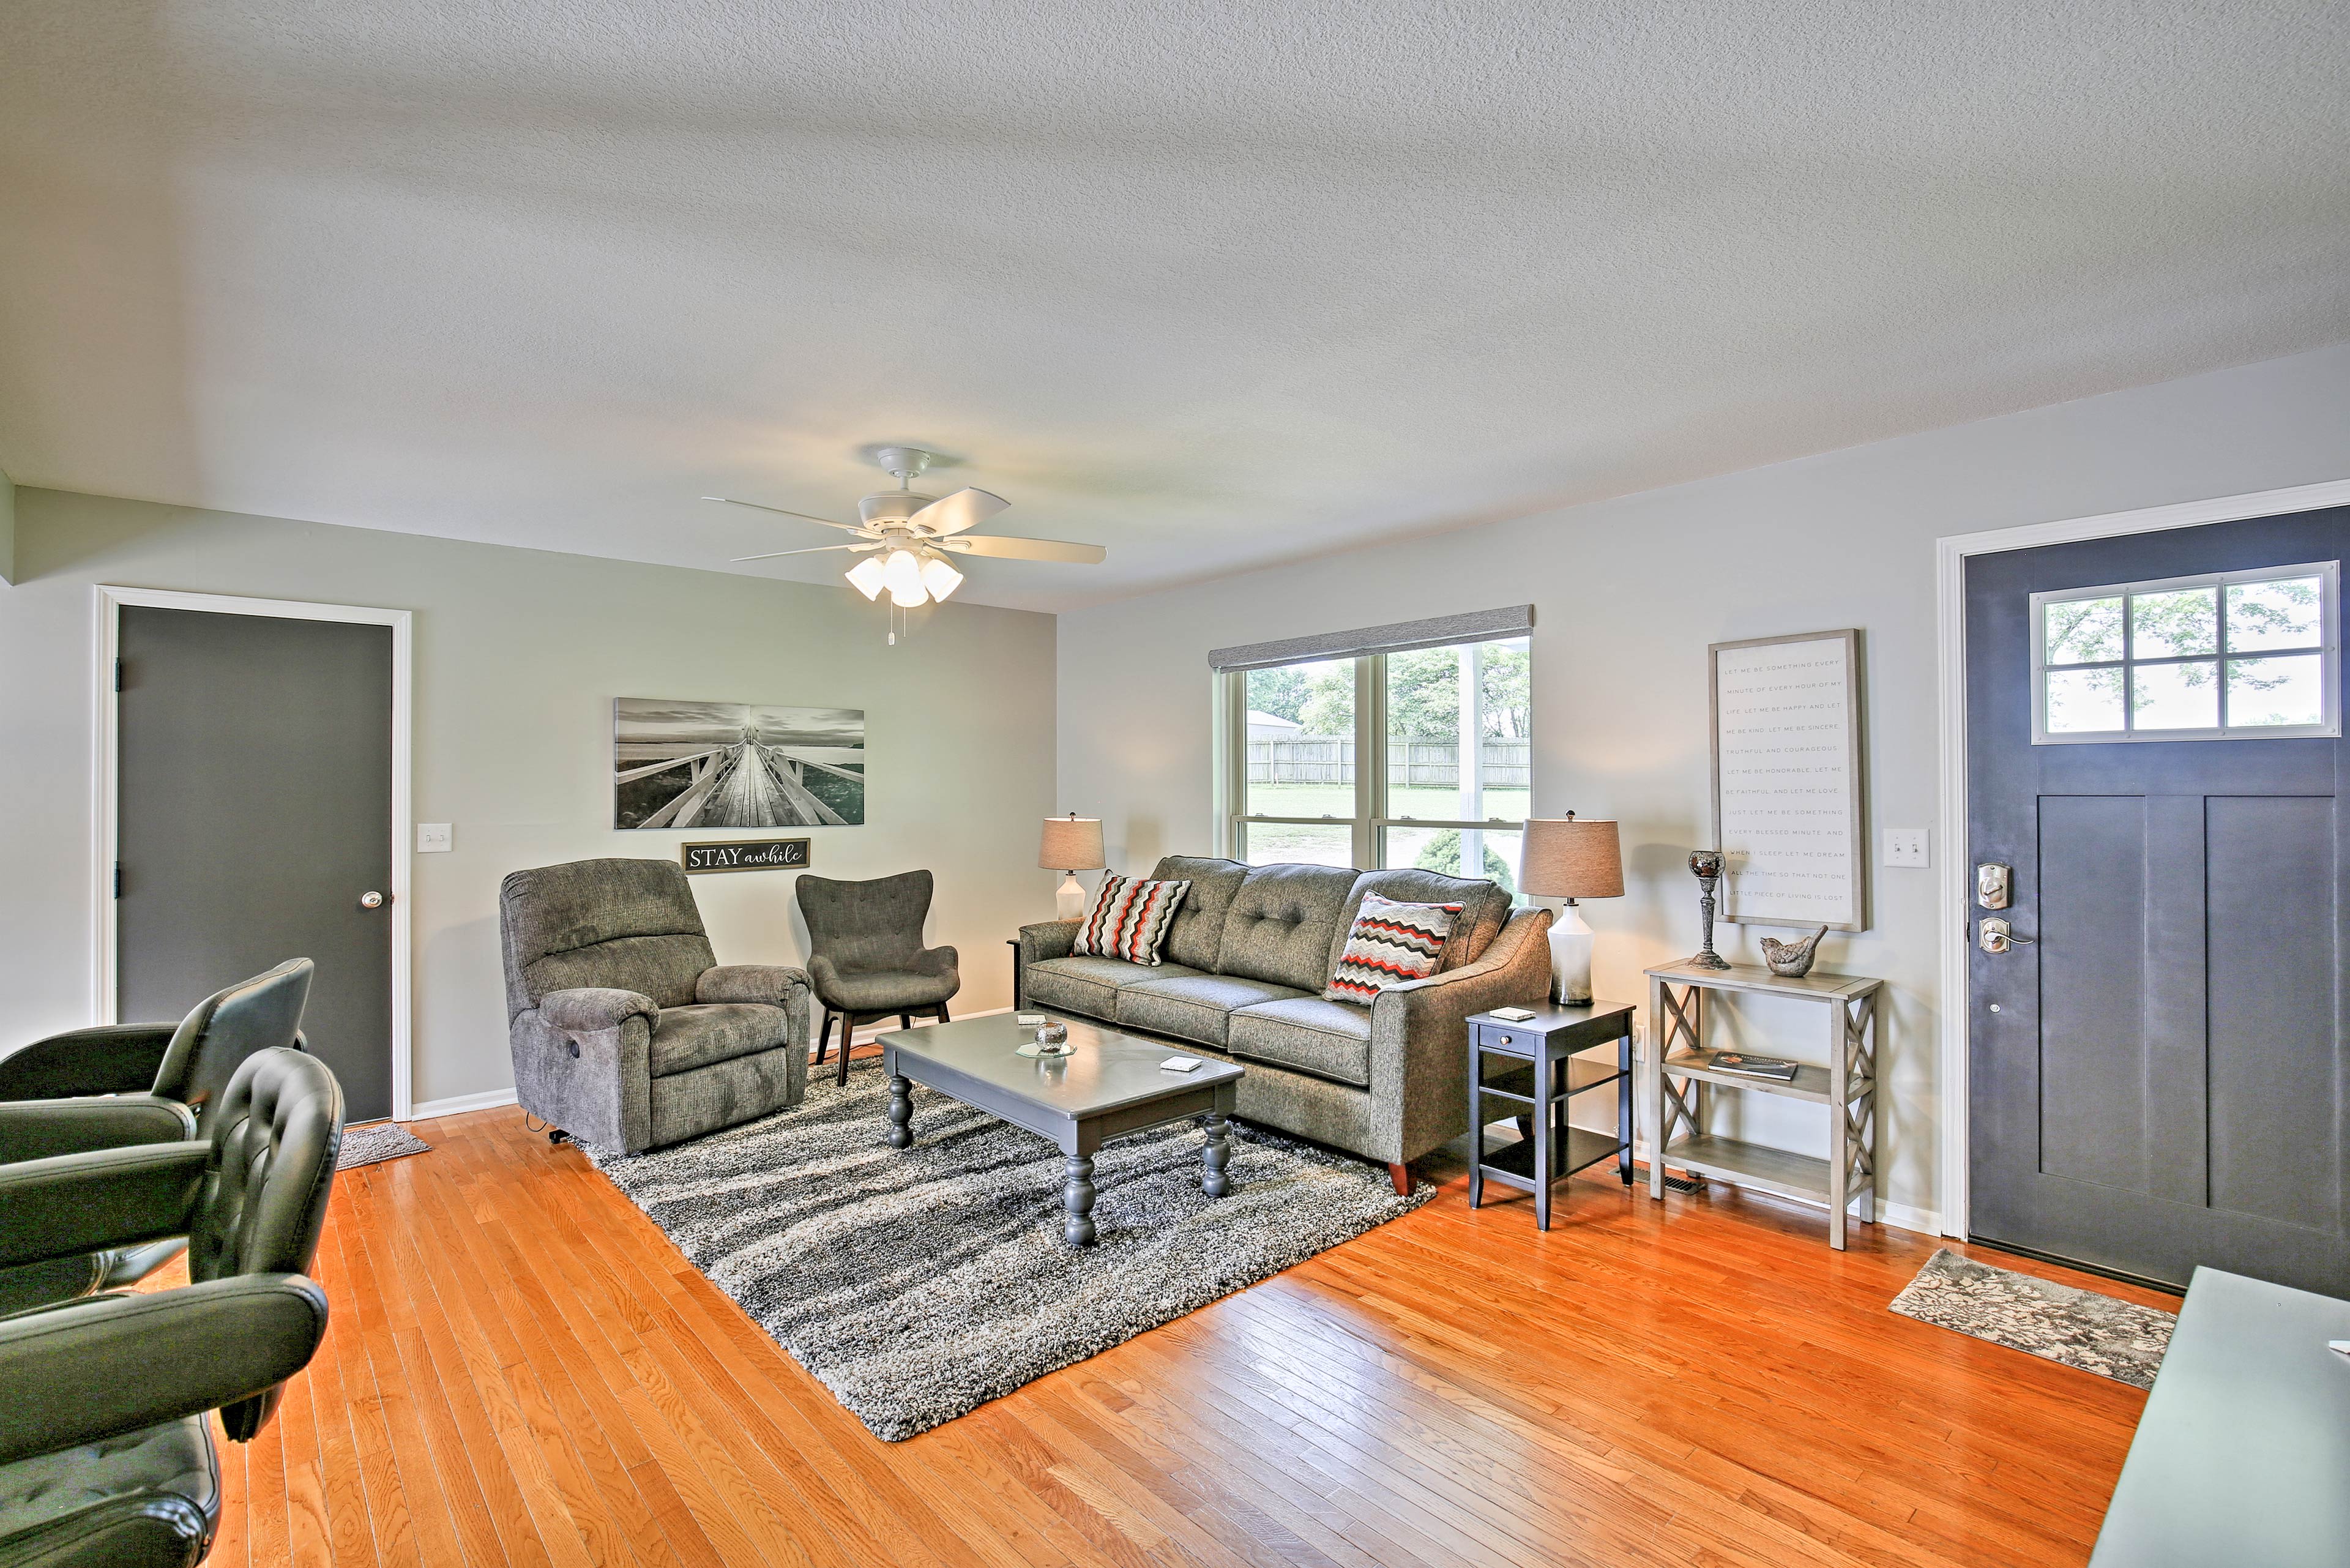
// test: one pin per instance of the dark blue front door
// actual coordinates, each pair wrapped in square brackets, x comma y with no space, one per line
[2160,1079]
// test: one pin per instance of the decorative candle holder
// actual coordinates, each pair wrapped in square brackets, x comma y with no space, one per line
[1705,865]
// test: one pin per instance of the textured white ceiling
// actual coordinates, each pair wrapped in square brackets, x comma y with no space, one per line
[1212,285]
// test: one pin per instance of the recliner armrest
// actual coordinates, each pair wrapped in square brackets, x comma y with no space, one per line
[110,1198]
[591,1009]
[107,1059]
[770,983]
[1047,940]
[89,1369]
[42,1129]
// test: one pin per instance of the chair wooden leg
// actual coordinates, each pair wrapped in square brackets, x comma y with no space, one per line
[943,1013]
[905,1021]
[1401,1177]
[847,1037]
[823,1036]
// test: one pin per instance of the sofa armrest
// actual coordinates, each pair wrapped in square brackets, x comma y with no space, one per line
[1420,1045]
[112,1197]
[89,1369]
[1047,940]
[771,984]
[593,1009]
[108,1059]
[43,1130]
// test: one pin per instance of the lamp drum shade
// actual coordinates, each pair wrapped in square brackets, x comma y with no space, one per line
[1571,857]
[1075,843]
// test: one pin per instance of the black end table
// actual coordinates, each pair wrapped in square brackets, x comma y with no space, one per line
[1522,1065]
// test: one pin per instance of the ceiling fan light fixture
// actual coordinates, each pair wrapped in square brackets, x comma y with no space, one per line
[901,574]
[940,578]
[867,576]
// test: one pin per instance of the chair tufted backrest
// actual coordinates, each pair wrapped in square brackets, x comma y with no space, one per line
[227,1028]
[865,926]
[1281,923]
[1198,933]
[274,1135]
[628,925]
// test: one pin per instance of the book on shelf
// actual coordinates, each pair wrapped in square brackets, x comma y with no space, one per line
[1746,1064]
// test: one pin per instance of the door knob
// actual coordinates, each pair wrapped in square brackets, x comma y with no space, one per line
[371,901]
[1996,936]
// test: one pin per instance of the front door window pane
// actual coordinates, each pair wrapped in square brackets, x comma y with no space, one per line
[1301,740]
[2283,614]
[2169,625]
[2175,696]
[2084,632]
[2287,690]
[1458,722]
[1297,843]
[2084,702]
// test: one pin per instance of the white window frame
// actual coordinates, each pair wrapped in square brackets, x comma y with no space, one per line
[2328,650]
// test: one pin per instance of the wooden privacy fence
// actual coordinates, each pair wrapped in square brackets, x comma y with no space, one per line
[1410,764]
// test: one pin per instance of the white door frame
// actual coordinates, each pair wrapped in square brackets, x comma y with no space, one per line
[1950,601]
[104,773]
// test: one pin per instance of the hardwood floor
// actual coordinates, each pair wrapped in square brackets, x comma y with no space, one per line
[521,1370]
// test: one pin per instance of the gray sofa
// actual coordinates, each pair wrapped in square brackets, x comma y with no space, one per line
[626,1031]
[1241,976]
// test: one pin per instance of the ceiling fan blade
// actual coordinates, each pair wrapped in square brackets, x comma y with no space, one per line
[1006,547]
[811,550]
[953,514]
[781,511]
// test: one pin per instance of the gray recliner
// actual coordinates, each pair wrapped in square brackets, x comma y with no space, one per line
[866,957]
[627,1033]
[105,1457]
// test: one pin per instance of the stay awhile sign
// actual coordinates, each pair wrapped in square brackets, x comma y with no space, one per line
[746,854]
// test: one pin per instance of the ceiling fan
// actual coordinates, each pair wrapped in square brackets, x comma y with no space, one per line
[905,537]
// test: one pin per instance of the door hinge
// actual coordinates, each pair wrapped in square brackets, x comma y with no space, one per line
[118,878]
[117,675]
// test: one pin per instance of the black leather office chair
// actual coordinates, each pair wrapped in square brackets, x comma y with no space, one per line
[127,1084]
[105,1458]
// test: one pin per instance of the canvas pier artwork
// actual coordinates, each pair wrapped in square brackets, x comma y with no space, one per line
[735,765]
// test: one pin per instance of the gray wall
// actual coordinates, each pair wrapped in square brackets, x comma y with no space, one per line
[1629,593]
[519,656]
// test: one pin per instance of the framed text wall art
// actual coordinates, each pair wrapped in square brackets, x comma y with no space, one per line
[1788,796]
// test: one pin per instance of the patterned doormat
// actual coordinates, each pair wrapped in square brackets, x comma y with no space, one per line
[374,1144]
[2099,1334]
[919,1284]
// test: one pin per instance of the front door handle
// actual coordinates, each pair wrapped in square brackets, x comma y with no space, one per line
[1996,936]
[371,901]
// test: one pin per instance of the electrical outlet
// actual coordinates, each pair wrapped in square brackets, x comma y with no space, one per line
[1906,846]
[435,838]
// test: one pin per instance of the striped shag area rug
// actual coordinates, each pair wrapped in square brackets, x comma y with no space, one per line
[919,1284]
[2096,1332]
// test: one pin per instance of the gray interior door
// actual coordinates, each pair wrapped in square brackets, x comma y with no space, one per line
[2158,1081]
[254,812]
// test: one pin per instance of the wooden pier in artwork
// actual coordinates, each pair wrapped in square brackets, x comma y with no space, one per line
[745,784]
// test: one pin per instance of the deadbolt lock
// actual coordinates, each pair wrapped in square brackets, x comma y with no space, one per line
[1994,884]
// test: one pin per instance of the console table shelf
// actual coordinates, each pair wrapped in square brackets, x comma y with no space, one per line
[1676,1083]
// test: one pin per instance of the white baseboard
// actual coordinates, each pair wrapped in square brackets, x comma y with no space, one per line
[458,1105]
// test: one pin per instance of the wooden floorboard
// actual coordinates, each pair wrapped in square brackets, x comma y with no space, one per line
[521,1369]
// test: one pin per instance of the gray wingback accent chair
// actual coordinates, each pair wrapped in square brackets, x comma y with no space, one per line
[127,1084]
[105,1458]
[625,1031]
[866,957]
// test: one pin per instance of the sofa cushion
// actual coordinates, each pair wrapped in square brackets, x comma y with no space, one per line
[1284,925]
[1199,925]
[1087,985]
[1484,906]
[1129,919]
[685,1038]
[1307,1035]
[1196,1007]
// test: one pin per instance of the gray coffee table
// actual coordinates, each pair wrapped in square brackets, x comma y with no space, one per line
[1112,1085]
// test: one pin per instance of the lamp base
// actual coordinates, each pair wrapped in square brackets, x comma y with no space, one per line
[1069,899]
[1570,959]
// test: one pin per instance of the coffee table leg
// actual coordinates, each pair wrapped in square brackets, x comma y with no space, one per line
[1077,1200]
[901,1111]
[1217,1155]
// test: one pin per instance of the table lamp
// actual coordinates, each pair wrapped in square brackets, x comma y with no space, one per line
[1566,857]
[1072,844]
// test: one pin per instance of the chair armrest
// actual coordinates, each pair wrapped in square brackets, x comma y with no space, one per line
[763,982]
[84,1370]
[110,1198]
[936,960]
[1047,940]
[591,1009]
[42,1129]
[109,1059]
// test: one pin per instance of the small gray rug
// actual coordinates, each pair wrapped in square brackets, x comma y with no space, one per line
[374,1144]
[2099,1334]
[919,1284]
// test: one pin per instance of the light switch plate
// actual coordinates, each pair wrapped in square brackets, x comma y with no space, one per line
[1906,846]
[435,838]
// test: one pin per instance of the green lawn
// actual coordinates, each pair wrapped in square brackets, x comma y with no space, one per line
[1338,800]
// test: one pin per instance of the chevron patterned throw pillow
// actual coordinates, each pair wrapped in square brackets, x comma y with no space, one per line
[1129,920]
[1391,943]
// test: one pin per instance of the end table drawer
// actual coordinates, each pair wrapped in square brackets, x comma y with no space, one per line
[1519,1040]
